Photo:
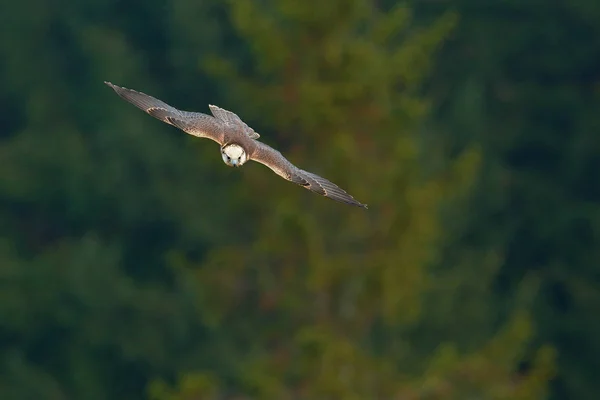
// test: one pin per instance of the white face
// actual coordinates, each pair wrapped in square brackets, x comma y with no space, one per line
[233,155]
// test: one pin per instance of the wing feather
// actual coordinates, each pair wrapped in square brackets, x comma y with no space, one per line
[273,159]
[197,124]
[232,119]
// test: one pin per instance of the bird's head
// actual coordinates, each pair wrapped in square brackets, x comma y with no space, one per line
[234,155]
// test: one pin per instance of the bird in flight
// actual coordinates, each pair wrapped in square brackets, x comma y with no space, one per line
[239,143]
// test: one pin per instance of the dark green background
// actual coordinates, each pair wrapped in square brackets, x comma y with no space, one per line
[135,265]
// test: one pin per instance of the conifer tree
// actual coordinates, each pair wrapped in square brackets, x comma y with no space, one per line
[318,300]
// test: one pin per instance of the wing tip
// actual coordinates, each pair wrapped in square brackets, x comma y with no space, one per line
[114,87]
[357,203]
[120,89]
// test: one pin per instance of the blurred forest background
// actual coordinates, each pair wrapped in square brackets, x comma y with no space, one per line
[135,265]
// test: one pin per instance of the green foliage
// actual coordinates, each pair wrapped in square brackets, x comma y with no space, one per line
[134,265]
[324,301]
[522,81]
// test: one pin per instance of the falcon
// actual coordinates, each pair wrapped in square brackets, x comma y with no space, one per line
[239,143]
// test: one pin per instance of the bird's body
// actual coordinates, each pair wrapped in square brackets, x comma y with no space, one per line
[237,140]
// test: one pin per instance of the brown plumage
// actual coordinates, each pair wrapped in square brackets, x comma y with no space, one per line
[238,141]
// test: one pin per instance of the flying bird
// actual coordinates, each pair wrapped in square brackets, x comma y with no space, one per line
[239,143]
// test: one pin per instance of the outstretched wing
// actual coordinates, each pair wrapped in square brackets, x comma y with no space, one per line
[273,159]
[232,119]
[197,124]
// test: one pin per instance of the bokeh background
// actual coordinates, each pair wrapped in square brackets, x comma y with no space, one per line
[135,265]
